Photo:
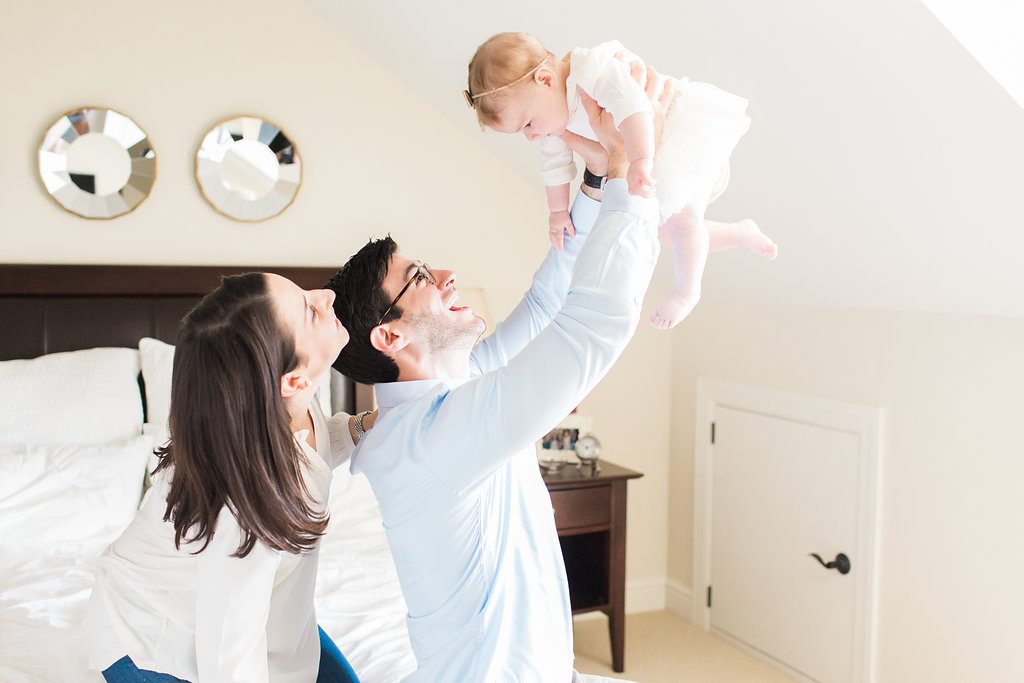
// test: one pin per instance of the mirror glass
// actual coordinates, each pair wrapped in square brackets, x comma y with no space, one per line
[97,163]
[248,169]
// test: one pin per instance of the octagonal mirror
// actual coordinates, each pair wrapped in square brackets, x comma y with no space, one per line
[248,168]
[97,163]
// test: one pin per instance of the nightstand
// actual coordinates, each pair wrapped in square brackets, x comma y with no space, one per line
[590,515]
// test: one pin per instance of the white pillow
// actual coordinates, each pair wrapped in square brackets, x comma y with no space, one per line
[157,365]
[70,498]
[89,396]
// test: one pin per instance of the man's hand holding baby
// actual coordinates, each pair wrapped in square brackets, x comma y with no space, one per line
[658,89]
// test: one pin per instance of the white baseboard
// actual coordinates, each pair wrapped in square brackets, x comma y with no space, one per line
[679,600]
[642,595]
[645,595]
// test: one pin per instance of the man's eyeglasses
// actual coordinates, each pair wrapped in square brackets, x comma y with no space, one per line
[422,274]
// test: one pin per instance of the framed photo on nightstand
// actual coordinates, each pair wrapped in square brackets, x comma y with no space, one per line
[557,447]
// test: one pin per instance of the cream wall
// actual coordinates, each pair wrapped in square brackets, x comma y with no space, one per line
[376,159]
[952,520]
[887,163]
[881,156]
[182,67]
[631,411]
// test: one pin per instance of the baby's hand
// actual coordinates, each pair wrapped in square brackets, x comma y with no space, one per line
[640,178]
[559,224]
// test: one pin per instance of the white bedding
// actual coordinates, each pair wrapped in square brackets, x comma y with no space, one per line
[358,600]
[42,604]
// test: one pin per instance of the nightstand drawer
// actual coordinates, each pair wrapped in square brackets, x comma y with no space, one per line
[582,507]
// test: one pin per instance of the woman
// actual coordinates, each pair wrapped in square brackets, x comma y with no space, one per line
[213,580]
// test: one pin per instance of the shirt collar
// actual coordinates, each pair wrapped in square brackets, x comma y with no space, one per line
[391,394]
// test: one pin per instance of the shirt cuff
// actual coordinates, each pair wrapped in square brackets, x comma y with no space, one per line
[584,212]
[617,198]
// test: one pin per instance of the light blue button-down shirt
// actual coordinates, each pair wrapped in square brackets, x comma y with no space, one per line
[453,465]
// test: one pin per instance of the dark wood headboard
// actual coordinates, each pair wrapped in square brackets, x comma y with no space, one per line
[50,308]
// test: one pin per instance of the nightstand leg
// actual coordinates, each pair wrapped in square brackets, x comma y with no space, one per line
[617,632]
[617,576]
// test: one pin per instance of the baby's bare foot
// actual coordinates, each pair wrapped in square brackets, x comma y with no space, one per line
[673,310]
[756,241]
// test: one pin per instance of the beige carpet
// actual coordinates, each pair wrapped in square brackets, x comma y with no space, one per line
[661,648]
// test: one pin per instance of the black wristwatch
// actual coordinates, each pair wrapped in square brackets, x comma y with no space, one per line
[591,180]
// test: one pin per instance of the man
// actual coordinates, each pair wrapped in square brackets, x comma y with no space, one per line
[451,456]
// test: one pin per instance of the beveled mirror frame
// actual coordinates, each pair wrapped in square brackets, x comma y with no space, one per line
[287,184]
[57,180]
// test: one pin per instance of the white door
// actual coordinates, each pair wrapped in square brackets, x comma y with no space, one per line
[781,490]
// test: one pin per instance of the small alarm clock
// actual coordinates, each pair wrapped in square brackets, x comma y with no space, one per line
[588,448]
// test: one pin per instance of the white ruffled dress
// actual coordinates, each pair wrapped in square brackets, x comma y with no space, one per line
[702,127]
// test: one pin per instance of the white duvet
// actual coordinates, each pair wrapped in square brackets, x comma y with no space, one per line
[358,599]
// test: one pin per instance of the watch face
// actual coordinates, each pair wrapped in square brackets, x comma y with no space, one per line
[588,448]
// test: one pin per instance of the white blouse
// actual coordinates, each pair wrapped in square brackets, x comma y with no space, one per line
[209,616]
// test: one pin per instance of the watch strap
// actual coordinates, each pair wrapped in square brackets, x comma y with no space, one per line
[591,180]
[360,432]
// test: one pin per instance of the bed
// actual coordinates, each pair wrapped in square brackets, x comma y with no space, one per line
[73,422]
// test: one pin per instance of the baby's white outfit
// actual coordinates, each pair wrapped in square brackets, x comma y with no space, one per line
[702,126]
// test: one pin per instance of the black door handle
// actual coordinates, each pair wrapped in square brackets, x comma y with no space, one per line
[841,564]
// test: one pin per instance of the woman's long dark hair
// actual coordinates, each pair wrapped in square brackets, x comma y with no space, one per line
[231,442]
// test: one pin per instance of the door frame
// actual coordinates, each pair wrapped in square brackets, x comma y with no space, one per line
[866,422]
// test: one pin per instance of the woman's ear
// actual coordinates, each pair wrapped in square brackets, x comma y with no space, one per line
[388,339]
[293,383]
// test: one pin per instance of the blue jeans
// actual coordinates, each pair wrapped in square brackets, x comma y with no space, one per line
[334,668]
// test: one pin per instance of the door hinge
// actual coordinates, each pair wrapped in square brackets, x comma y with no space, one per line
[709,596]
[712,432]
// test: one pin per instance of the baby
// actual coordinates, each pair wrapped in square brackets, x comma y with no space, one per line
[517,86]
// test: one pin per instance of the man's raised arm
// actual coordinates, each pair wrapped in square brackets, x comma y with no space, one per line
[545,296]
[508,409]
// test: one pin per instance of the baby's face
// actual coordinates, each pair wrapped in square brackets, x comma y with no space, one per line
[538,111]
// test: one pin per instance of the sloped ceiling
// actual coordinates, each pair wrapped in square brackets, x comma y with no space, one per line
[884,160]
[993,32]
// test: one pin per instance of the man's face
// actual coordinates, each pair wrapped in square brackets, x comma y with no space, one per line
[430,310]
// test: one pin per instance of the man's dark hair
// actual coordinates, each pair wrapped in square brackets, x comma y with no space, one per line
[360,301]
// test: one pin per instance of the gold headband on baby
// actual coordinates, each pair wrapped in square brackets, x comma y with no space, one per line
[470,97]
